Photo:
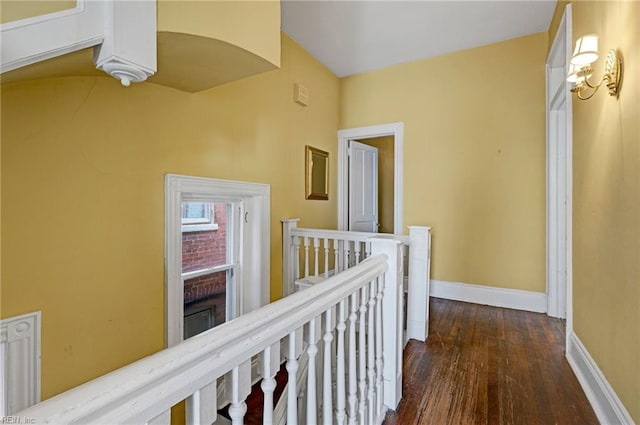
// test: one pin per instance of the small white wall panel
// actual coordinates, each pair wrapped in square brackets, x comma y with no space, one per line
[20,340]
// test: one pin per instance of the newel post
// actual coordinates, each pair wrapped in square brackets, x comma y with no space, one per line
[419,282]
[288,264]
[392,319]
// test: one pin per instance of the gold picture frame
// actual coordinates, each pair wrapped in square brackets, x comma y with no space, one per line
[316,173]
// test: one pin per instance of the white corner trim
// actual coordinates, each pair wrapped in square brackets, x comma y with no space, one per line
[490,295]
[604,400]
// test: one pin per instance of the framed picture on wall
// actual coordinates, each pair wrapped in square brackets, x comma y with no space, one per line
[316,173]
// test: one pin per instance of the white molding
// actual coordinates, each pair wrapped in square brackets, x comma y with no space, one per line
[604,400]
[559,118]
[397,131]
[128,52]
[20,340]
[32,40]
[490,295]
[123,32]
[255,256]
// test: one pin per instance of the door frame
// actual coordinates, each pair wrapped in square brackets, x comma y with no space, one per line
[393,129]
[557,93]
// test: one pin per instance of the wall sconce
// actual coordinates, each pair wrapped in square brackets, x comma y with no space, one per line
[586,53]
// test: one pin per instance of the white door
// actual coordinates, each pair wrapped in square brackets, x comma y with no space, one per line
[363,187]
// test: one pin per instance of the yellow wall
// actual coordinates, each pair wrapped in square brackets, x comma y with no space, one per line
[606,204]
[385,180]
[252,25]
[83,165]
[474,155]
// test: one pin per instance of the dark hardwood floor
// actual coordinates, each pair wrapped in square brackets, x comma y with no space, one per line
[488,365]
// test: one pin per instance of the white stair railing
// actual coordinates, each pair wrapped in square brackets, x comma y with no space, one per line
[144,391]
[311,255]
[335,250]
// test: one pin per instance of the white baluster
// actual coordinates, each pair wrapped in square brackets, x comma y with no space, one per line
[270,366]
[379,364]
[367,249]
[371,365]
[353,390]
[356,251]
[201,407]
[313,336]
[306,256]
[240,389]
[296,262]
[316,258]
[362,356]
[325,244]
[340,368]
[346,254]
[336,251]
[292,368]
[327,393]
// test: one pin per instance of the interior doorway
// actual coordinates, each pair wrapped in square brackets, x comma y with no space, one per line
[363,187]
[384,180]
[387,138]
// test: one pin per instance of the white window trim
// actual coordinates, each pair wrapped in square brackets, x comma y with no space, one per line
[199,227]
[254,285]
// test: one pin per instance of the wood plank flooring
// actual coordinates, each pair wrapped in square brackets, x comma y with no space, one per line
[488,365]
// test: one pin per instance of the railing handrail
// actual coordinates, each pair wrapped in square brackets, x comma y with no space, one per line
[148,387]
[346,235]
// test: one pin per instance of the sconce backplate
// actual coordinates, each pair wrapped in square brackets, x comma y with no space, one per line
[613,72]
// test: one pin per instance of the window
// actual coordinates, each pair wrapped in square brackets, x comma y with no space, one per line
[227,275]
[210,262]
[198,216]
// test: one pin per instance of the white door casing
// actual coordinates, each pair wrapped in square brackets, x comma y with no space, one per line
[363,187]
[254,239]
[559,175]
[394,129]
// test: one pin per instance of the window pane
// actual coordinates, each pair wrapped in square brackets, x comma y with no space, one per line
[196,213]
[207,248]
[194,210]
[205,302]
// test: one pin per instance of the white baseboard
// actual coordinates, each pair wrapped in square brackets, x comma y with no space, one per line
[605,402]
[489,295]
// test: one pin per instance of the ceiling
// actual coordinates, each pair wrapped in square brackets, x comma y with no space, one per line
[350,37]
